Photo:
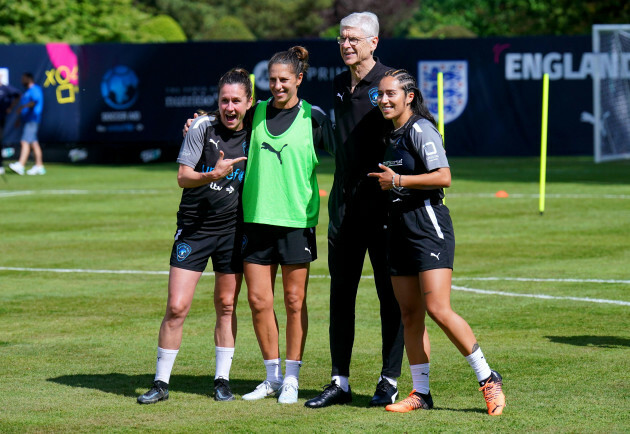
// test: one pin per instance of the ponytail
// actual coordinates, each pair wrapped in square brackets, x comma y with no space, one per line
[296,56]
[237,76]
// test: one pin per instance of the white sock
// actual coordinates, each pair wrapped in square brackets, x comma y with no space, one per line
[164,365]
[478,362]
[392,381]
[274,371]
[224,356]
[420,377]
[292,370]
[342,381]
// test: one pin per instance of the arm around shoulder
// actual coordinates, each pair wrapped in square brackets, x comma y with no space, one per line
[323,134]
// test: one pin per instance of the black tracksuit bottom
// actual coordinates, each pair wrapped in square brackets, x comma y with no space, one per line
[346,254]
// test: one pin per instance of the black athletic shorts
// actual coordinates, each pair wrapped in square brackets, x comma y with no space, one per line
[420,239]
[192,250]
[267,244]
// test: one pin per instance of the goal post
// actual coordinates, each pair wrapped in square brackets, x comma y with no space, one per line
[611,92]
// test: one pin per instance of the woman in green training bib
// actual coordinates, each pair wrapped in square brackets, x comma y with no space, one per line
[280,212]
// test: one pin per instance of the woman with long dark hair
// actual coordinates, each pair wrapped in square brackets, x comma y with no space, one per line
[421,242]
[280,212]
[211,170]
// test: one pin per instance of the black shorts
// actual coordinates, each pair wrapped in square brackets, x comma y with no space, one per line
[192,250]
[420,239]
[267,244]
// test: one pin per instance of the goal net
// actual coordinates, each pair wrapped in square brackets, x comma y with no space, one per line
[611,92]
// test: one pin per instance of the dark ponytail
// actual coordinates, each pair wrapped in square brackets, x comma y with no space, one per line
[409,85]
[296,56]
[237,76]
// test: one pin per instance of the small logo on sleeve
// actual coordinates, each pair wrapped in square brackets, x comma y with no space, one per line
[373,94]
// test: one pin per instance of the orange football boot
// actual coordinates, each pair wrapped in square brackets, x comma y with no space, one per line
[493,393]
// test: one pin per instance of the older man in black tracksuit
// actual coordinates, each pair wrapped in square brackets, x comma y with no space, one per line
[357,210]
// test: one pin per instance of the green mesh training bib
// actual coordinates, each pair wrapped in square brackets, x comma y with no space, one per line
[280,186]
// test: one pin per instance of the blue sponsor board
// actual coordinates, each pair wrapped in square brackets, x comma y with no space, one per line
[139,95]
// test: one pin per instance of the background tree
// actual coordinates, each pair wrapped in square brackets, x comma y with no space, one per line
[229,28]
[513,17]
[73,21]
[390,13]
[161,28]
[87,21]
[195,17]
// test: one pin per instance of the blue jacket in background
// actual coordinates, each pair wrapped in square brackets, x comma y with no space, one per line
[32,114]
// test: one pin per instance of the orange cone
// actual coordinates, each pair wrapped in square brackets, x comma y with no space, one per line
[501,193]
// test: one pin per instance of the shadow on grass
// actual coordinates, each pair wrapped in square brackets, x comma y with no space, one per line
[591,341]
[462,410]
[129,385]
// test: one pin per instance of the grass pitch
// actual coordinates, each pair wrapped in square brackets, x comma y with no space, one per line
[83,261]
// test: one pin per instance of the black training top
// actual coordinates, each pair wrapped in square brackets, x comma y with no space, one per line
[213,208]
[360,131]
[279,120]
[413,149]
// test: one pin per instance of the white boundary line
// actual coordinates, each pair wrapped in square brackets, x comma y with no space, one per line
[13,193]
[324,276]
[6,193]
[543,296]
[536,196]
[79,270]
[533,279]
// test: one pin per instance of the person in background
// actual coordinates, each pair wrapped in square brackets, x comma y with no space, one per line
[211,170]
[9,96]
[30,110]
[421,241]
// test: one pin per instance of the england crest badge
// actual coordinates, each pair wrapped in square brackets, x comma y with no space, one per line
[455,79]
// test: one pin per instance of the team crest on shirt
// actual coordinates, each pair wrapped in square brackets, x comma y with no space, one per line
[373,94]
[183,250]
[455,80]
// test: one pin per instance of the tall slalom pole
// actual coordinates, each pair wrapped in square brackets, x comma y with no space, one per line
[543,144]
[440,92]
[252,78]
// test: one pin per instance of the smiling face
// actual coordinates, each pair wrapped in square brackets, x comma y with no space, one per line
[393,102]
[284,84]
[353,55]
[233,104]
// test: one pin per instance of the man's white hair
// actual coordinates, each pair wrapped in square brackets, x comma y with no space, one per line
[366,21]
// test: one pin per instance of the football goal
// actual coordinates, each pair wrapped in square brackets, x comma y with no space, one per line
[611,92]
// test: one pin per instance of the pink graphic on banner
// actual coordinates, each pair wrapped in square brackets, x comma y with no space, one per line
[64,60]
[498,49]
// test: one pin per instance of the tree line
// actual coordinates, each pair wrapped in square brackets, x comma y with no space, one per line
[93,21]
